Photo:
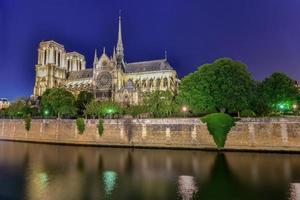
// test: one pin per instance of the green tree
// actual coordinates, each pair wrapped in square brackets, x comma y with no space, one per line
[93,109]
[160,103]
[110,108]
[136,110]
[60,101]
[225,85]
[279,92]
[17,109]
[82,100]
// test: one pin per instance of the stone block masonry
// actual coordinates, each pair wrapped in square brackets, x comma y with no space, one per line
[256,134]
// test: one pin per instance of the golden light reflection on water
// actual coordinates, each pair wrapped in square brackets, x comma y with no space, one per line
[187,187]
[294,191]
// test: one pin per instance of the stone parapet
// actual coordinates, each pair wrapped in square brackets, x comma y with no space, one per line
[273,134]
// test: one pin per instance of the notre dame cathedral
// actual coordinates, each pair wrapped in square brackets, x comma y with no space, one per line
[110,78]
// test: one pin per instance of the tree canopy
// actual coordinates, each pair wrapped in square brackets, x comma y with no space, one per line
[102,109]
[59,101]
[224,85]
[83,99]
[278,92]
[160,103]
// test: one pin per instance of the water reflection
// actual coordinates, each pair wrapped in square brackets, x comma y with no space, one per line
[109,179]
[71,172]
[294,191]
[187,187]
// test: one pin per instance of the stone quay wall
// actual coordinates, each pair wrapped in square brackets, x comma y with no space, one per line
[257,134]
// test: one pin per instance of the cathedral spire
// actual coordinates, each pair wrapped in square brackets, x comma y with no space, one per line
[114,53]
[120,48]
[166,55]
[95,58]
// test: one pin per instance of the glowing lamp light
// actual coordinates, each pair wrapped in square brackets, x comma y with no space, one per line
[184,109]
[46,112]
[109,111]
[281,106]
[295,106]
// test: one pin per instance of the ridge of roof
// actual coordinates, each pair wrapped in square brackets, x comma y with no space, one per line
[146,61]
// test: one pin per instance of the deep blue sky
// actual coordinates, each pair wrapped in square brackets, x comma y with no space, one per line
[264,34]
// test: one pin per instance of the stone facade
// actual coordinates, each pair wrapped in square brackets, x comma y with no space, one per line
[110,78]
[260,134]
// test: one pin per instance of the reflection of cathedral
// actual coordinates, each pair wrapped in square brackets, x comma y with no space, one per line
[111,78]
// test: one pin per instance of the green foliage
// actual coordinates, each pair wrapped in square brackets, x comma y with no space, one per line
[59,102]
[3,112]
[278,92]
[93,108]
[224,85]
[160,103]
[136,110]
[83,99]
[247,113]
[101,127]
[219,125]
[103,109]
[80,123]
[110,108]
[27,122]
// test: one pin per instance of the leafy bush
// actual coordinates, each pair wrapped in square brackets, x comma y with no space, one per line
[219,124]
[80,125]
[101,127]
[248,113]
[27,121]
[136,110]
[160,103]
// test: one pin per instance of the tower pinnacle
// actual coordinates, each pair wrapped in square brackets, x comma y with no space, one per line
[166,55]
[95,58]
[120,48]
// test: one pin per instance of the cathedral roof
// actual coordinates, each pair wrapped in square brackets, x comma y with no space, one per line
[147,66]
[82,74]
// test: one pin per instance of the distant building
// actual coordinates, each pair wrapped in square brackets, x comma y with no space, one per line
[4,103]
[111,78]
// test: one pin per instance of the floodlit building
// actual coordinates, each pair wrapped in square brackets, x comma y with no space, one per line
[110,78]
[4,103]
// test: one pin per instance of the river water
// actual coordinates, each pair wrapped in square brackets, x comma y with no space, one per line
[54,172]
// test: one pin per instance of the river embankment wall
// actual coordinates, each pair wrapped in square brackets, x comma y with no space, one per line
[249,134]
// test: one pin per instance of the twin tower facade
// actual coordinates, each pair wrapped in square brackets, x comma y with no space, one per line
[110,78]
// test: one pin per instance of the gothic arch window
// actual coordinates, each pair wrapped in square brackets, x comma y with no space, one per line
[130,84]
[151,83]
[158,83]
[144,84]
[58,58]
[68,64]
[165,82]
[54,56]
[45,57]
[137,83]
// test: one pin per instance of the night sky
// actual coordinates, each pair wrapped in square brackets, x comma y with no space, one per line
[264,34]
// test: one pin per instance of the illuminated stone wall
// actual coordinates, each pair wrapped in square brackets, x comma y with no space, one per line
[248,134]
